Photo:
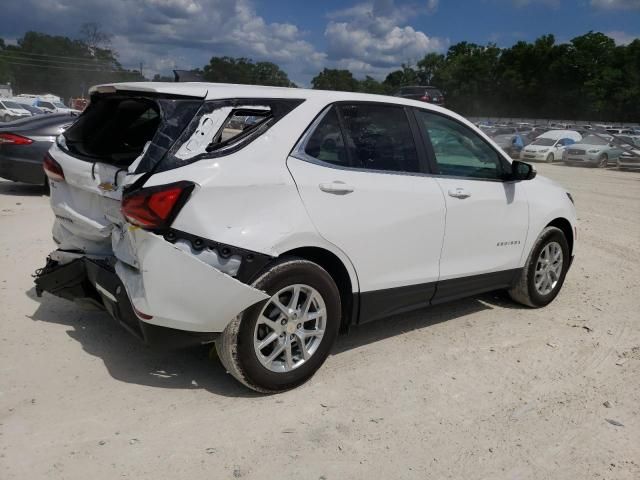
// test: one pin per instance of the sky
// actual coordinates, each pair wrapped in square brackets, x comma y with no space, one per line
[370,37]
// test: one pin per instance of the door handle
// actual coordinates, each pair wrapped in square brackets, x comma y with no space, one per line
[337,188]
[459,193]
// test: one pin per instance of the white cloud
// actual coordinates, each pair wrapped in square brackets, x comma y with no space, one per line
[622,38]
[369,38]
[185,32]
[616,4]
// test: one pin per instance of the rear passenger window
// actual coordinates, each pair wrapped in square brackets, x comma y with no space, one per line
[326,142]
[239,123]
[378,137]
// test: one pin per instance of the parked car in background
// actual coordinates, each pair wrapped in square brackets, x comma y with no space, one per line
[593,151]
[549,146]
[189,233]
[24,143]
[33,110]
[52,106]
[513,143]
[629,159]
[10,110]
[620,131]
[423,94]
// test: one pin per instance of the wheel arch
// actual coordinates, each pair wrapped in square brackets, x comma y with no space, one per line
[340,274]
[564,225]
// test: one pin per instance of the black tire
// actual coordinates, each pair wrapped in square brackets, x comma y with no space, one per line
[6,118]
[604,161]
[523,290]
[550,158]
[236,344]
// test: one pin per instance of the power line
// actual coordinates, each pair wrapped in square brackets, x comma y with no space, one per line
[66,68]
[12,56]
[6,50]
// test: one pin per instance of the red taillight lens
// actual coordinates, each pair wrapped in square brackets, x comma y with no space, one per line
[13,139]
[155,208]
[425,98]
[52,169]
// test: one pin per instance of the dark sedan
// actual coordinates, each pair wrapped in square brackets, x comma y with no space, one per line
[24,142]
[422,94]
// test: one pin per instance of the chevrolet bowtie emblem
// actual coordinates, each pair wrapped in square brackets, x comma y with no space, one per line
[107,187]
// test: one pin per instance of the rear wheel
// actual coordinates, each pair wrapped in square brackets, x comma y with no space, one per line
[543,275]
[279,344]
[550,158]
[6,118]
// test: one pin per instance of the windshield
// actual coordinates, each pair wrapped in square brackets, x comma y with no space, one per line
[593,140]
[545,142]
[11,104]
[59,104]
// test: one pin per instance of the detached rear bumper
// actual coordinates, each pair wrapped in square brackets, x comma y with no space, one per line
[95,283]
[163,292]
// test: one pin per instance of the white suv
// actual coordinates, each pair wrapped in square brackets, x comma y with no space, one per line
[268,219]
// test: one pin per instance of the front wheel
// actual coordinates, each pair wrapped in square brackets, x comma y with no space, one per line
[543,275]
[279,344]
[550,158]
[604,161]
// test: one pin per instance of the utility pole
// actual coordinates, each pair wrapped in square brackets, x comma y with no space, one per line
[141,64]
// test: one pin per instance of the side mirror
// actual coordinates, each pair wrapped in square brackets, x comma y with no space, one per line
[522,171]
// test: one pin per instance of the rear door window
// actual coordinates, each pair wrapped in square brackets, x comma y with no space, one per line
[379,137]
[326,143]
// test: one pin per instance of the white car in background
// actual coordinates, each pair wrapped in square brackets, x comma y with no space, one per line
[52,106]
[267,219]
[550,146]
[10,110]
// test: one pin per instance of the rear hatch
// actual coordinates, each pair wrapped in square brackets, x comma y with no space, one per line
[120,137]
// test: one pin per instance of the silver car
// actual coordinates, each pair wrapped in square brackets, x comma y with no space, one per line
[592,151]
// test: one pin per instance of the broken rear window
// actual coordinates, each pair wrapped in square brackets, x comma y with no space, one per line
[118,128]
[222,127]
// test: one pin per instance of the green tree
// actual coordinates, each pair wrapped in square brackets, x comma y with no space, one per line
[371,85]
[429,68]
[334,79]
[399,78]
[245,71]
[67,67]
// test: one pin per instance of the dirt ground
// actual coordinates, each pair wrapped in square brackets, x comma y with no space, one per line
[479,389]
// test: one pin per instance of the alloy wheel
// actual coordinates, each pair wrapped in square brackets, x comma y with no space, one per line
[548,268]
[290,328]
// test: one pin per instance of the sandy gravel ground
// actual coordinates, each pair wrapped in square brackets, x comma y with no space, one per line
[481,389]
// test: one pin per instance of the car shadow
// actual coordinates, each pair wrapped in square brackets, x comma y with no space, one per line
[379,330]
[128,360]
[22,189]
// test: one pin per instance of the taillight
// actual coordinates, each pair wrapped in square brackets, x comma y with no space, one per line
[425,98]
[13,139]
[52,169]
[155,208]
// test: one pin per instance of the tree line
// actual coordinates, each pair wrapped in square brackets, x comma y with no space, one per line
[67,67]
[589,77]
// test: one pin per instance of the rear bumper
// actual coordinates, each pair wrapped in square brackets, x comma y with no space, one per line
[90,282]
[169,292]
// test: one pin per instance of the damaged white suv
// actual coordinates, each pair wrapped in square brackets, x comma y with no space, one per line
[266,220]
